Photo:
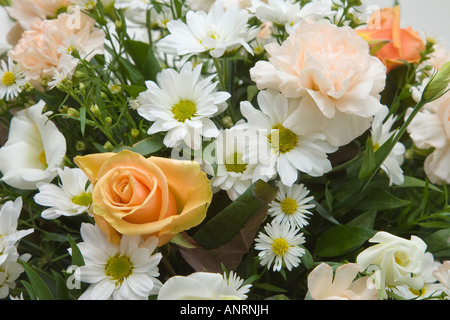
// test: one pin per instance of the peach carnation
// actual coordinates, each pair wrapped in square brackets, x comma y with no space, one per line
[26,12]
[333,66]
[39,50]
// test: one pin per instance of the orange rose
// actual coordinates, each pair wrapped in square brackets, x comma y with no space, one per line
[134,195]
[404,44]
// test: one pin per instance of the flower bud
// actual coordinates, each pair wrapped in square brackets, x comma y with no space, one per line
[438,84]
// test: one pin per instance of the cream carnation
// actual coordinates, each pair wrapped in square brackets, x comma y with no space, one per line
[38,51]
[333,66]
[26,12]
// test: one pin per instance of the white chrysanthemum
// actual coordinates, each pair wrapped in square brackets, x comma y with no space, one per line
[381,132]
[216,32]
[69,198]
[12,78]
[280,245]
[10,271]
[204,286]
[182,104]
[231,172]
[125,272]
[286,137]
[291,205]
[34,150]
[288,13]
[9,235]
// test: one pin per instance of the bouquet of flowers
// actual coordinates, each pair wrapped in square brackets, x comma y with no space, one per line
[201,149]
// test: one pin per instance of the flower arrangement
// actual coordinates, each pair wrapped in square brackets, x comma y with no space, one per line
[201,149]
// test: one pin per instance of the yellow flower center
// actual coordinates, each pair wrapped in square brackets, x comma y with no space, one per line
[282,139]
[43,158]
[8,78]
[84,199]
[401,258]
[289,206]
[233,165]
[280,246]
[184,110]
[118,267]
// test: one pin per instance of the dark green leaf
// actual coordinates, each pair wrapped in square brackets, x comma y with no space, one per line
[339,240]
[40,288]
[77,257]
[227,224]
[380,199]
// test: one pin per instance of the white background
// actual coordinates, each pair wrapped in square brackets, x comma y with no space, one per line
[430,17]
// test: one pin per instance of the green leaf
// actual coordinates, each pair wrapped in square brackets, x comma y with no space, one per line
[411,182]
[77,257]
[369,161]
[61,287]
[40,288]
[29,289]
[227,223]
[269,287]
[307,259]
[144,59]
[340,240]
[378,198]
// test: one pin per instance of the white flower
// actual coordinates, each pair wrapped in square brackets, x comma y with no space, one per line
[182,104]
[442,274]
[381,132]
[6,24]
[285,137]
[85,4]
[10,271]
[332,66]
[288,13]
[280,245]
[9,235]
[343,285]
[58,78]
[215,32]
[34,150]
[125,272]
[204,286]
[12,78]
[431,286]
[291,205]
[399,260]
[430,128]
[232,173]
[69,198]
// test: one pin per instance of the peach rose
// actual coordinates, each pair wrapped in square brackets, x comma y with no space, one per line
[405,44]
[39,49]
[134,195]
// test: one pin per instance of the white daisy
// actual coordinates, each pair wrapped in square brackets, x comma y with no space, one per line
[182,104]
[9,235]
[216,32]
[280,246]
[285,137]
[12,78]
[291,205]
[231,172]
[85,4]
[125,272]
[10,271]
[381,132]
[57,78]
[69,198]
[204,286]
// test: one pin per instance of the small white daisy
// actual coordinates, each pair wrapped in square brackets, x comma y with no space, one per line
[216,32]
[12,78]
[122,272]
[68,46]
[381,132]
[280,245]
[291,205]
[72,197]
[85,4]
[57,78]
[232,280]
[182,104]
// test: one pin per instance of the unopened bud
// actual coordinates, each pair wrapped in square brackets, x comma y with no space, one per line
[438,84]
